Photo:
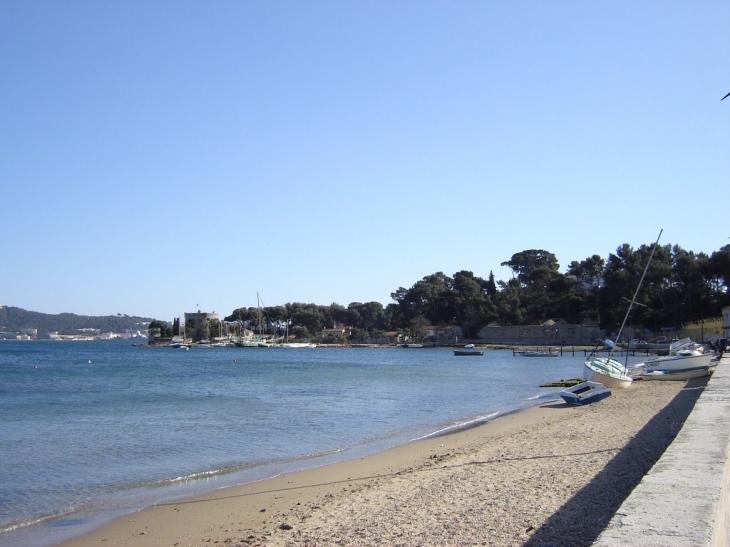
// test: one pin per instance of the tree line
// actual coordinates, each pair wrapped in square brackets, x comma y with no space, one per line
[680,287]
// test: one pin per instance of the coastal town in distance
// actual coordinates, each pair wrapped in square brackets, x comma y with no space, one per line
[207,329]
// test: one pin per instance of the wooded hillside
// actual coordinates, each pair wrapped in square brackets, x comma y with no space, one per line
[13,319]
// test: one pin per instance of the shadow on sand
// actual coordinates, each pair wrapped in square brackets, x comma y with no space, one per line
[579,522]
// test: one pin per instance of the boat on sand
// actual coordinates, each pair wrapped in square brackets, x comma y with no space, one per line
[585,393]
[607,370]
[676,374]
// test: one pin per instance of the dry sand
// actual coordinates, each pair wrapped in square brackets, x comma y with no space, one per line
[550,475]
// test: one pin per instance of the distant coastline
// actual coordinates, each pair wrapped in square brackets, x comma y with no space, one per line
[20,324]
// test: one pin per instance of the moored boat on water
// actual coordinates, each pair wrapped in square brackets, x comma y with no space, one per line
[246,343]
[469,349]
[541,353]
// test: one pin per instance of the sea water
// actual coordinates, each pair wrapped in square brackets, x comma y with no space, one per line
[95,430]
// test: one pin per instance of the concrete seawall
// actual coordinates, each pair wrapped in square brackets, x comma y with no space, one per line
[684,500]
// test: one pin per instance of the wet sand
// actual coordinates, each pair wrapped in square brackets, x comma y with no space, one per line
[549,475]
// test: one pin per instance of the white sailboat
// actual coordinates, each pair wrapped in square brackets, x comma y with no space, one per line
[249,341]
[607,370]
[293,345]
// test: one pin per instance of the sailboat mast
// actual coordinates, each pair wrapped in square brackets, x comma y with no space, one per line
[636,293]
[258,305]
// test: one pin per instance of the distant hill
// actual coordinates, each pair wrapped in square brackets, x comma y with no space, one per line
[13,319]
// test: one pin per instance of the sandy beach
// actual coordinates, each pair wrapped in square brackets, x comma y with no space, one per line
[549,475]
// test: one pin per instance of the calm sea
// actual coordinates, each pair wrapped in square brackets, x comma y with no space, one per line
[94,430]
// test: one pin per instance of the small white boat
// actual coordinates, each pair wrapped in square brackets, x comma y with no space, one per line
[679,360]
[636,344]
[178,345]
[585,393]
[469,349]
[676,374]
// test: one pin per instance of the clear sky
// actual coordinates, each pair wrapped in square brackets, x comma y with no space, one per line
[166,156]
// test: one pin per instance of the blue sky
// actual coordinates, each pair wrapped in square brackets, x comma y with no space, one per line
[159,157]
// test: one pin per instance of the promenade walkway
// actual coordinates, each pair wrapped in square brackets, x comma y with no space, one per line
[684,500]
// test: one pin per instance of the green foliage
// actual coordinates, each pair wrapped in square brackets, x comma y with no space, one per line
[159,328]
[680,287]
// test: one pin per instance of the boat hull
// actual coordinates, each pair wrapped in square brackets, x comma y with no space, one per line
[608,372]
[464,352]
[678,362]
[677,374]
[585,393]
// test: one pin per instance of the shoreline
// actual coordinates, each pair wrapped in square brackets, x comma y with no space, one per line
[504,482]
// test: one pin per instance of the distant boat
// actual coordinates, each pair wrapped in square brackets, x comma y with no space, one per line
[635,344]
[412,345]
[469,349]
[293,345]
[541,353]
[246,343]
[255,341]
[178,345]
[585,393]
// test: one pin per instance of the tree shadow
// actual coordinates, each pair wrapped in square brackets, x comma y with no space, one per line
[579,522]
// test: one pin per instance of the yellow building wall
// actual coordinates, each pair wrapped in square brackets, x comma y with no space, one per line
[701,331]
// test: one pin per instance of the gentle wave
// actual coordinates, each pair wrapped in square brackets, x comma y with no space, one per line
[188,478]
[461,425]
[24,523]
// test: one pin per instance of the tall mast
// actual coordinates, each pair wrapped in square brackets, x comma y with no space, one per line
[636,292]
